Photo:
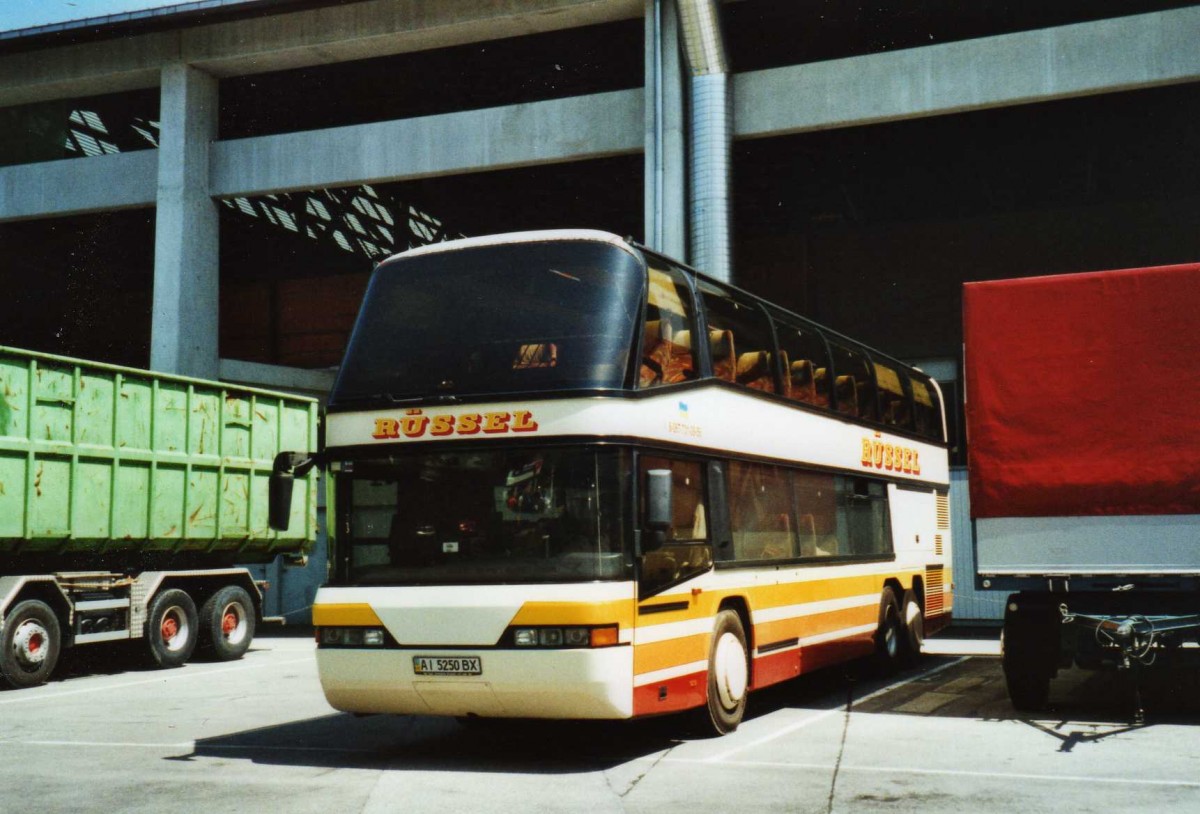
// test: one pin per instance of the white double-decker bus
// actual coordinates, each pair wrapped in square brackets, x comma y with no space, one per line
[572,478]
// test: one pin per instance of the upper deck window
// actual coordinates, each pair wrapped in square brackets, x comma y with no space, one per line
[739,338]
[494,319]
[667,335]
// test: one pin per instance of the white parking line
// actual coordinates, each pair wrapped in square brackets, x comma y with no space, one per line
[32,695]
[820,716]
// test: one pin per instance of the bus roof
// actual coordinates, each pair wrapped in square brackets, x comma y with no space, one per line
[534,236]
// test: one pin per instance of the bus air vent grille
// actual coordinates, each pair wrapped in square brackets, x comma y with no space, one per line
[943,512]
[935,601]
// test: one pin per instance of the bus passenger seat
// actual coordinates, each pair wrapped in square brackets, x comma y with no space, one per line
[806,529]
[656,352]
[721,345]
[847,395]
[801,384]
[821,387]
[754,371]
[681,367]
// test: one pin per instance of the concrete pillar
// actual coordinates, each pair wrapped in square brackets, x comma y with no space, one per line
[184,330]
[666,155]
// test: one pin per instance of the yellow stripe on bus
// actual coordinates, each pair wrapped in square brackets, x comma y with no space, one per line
[618,612]
[649,658]
[349,615]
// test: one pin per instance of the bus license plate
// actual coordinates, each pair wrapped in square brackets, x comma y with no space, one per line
[447,665]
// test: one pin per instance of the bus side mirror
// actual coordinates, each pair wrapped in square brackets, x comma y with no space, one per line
[287,467]
[658,506]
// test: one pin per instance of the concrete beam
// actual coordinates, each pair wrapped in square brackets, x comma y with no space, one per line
[278,377]
[595,126]
[78,185]
[274,42]
[1106,56]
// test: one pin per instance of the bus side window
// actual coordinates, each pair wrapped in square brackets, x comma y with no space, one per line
[805,362]
[666,335]
[854,383]
[815,497]
[927,409]
[760,512]
[864,525]
[739,339]
[894,404]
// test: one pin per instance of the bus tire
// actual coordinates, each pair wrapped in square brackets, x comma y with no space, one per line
[31,642]
[728,675]
[227,623]
[889,636]
[171,628]
[913,619]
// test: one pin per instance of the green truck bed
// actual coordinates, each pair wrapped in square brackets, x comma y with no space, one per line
[104,466]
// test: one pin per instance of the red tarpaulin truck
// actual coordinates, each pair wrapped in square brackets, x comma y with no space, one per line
[1083,421]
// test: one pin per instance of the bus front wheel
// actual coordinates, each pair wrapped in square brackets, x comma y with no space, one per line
[728,674]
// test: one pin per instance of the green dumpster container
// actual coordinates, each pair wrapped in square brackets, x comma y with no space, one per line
[111,467]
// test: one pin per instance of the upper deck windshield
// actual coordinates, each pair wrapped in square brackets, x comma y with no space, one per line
[485,517]
[494,319]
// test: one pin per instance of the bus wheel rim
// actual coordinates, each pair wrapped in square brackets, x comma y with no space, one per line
[731,672]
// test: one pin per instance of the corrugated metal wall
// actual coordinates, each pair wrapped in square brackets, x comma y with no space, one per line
[970,605]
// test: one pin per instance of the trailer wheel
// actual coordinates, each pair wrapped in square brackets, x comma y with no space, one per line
[31,642]
[889,636]
[728,675]
[227,623]
[913,618]
[171,628]
[1028,681]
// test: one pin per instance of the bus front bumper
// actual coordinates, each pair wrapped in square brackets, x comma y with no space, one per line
[595,684]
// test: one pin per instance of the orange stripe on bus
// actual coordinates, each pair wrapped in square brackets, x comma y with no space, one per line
[815,625]
[348,614]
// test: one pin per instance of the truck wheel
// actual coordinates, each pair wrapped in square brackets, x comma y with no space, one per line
[728,675]
[31,643]
[171,628]
[227,623]
[889,636]
[913,619]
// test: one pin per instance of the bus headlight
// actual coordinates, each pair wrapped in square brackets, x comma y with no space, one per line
[558,637]
[351,637]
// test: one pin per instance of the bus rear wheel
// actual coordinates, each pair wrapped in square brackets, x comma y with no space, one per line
[889,636]
[30,644]
[913,618]
[728,675]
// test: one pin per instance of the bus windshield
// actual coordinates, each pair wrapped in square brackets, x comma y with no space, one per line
[493,319]
[485,517]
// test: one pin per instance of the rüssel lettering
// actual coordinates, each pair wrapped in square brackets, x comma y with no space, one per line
[892,457]
[416,424]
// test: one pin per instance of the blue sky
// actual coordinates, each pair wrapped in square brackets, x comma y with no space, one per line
[16,14]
